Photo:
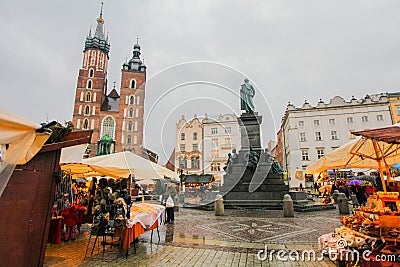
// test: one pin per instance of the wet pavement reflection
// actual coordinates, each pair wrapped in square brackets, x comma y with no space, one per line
[199,238]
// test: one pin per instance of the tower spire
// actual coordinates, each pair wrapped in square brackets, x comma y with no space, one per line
[100,19]
[99,40]
[101,10]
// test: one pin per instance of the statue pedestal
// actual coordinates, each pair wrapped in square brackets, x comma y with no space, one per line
[252,179]
[249,123]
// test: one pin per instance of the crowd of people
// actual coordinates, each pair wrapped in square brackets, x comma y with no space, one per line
[362,191]
[102,200]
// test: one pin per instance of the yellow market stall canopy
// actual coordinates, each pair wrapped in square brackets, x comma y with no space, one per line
[120,165]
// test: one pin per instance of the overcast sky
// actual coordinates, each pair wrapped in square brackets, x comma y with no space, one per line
[199,52]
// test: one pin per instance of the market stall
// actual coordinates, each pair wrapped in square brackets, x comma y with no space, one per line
[372,230]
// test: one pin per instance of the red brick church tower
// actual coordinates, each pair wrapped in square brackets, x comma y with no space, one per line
[116,119]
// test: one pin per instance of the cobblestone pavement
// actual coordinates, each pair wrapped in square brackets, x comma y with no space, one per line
[199,238]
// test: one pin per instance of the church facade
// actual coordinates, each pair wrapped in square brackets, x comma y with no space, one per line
[115,118]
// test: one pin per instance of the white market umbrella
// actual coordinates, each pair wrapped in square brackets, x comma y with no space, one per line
[123,164]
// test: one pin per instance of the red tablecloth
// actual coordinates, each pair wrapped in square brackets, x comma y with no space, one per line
[134,232]
[55,231]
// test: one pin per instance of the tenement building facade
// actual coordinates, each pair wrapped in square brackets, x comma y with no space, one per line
[309,132]
[202,146]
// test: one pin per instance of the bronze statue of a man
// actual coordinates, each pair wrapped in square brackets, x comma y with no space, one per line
[247,93]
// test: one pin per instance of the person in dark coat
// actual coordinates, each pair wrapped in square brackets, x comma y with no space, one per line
[170,192]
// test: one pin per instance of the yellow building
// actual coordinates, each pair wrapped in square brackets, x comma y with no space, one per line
[394,106]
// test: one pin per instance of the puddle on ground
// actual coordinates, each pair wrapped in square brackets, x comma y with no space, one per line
[182,238]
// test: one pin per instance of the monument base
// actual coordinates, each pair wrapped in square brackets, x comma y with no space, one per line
[244,187]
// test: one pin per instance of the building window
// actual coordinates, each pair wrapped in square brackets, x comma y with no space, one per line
[130,126]
[398,110]
[182,147]
[195,147]
[316,122]
[88,97]
[91,73]
[80,110]
[101,60]
[108,127]
[379,117]
[351,136]
[137,113]
[138,100]
[87,110]
[304,154]
[195,162]
[215,166]
[135,126]
[214,142]
[128,140]
[301,123]
[183,136]
[318,136]
[131,113]
[134,139]
[331,121]
[182,163]
[214,130]
[215,153]
[334,135]
[85,124]
[132,100]
[228,130]
[89,84]
[364,118]
[85,60]
[320,153]
[303,137]
[133,84]
[195,136]
[93,58]
[228,140]
[350,120]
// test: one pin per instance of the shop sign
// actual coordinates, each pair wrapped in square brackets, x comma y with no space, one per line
[388,195]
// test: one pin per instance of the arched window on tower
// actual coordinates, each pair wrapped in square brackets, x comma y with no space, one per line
[130,126]
[132,100]
[134,139]
[128,140]
[89,84]
[88,96]
[85,124]
[91,73]
[101,60]
[93,58]
[108,127]
[87,110]
[133,84]
[136,126]
[131,113]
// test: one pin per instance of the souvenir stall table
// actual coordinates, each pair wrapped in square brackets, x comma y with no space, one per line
[144,217]
[375,228]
